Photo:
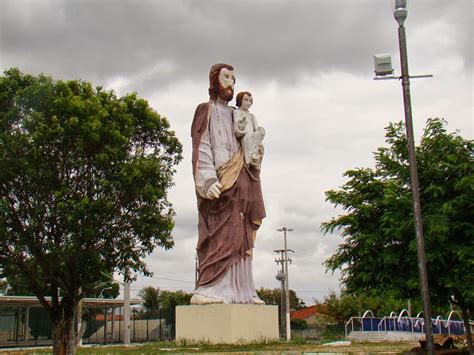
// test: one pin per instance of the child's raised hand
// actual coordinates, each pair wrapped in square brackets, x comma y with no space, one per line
[242,123]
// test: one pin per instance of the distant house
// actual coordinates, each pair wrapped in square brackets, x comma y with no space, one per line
[316,314]
[118,317]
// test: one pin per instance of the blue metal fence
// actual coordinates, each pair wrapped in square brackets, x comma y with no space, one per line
[369,323]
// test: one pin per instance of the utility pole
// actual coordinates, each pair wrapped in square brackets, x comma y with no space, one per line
[126,311]
[287,289]
[280,276]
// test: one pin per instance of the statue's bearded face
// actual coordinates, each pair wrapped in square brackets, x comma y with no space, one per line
[226,84]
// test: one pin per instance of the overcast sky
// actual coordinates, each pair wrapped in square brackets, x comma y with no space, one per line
[309,65]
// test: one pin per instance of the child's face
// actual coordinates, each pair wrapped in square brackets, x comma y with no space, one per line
[247,101]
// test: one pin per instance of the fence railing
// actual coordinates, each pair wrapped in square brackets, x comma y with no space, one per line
[362,324]
[401,323]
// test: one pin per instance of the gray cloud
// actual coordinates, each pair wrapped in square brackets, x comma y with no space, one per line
[161,41]
[309,65]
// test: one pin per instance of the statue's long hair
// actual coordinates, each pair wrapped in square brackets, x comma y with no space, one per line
[214,79]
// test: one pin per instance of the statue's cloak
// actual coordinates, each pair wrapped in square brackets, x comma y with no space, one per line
[227,225]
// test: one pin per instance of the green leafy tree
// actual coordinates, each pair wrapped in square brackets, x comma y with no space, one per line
[151,300]
[162,304]
[169,301]
[298,324]
[273,296]
[84,177]
[342,308]
[4,286]
[379,251]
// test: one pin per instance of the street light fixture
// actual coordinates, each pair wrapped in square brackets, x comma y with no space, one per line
[126,305]
[400,14]
[102,291]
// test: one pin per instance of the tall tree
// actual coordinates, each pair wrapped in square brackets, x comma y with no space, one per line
[151,299]
[273,296]
[169,301]
[84,177]
[379,251]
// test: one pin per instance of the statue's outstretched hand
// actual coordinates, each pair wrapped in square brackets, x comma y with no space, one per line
[214,191]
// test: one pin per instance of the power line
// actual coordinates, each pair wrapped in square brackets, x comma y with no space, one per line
[168,279]
[323,291]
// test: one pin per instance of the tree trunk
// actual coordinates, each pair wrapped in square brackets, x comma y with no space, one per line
[63,337]
[59,341]
[71,345]
[467,326]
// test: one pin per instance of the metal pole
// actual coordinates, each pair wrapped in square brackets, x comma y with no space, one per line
[17,324]
[105,325]
[420,243]
[161,322]
[283,307]
[112,338]
[287,288]
[27,323]
[287,292]
[126,312]
[79,319]
[134,326]
[281,277]
[120,324]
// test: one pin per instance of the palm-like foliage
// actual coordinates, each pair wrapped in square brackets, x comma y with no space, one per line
[150,297]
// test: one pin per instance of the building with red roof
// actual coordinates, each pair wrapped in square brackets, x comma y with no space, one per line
[315,314]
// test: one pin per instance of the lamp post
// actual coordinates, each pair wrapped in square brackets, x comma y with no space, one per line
[400,14]
[102,291]
[126,305]
[126,311]
[287,289]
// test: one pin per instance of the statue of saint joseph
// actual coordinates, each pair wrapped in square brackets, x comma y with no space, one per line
[229,199]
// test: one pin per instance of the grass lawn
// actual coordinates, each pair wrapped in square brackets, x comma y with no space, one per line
[295,347]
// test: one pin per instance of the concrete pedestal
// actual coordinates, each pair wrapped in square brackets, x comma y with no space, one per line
[227,323]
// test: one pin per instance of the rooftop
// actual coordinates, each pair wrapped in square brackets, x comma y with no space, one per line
[32,301]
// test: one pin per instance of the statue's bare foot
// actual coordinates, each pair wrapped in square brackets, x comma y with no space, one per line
[257,300]
[200,299]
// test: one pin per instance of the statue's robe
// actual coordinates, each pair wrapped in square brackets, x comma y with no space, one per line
[227,225]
